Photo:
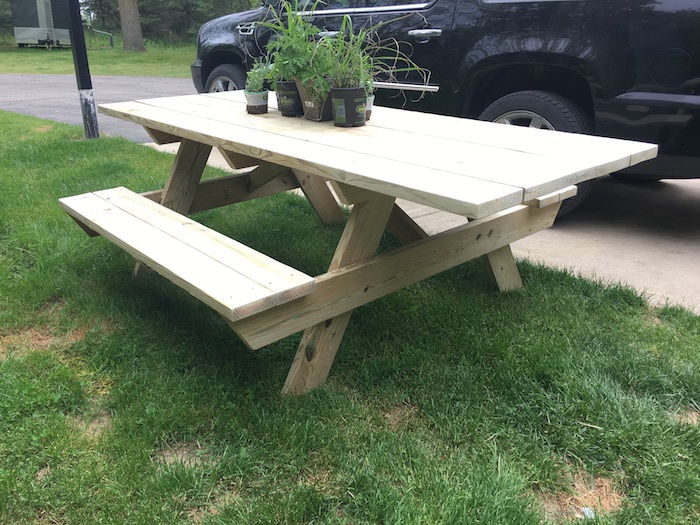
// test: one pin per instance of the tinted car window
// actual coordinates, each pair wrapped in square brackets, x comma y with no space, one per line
[383,3]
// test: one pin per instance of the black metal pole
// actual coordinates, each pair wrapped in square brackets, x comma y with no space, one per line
[82,70]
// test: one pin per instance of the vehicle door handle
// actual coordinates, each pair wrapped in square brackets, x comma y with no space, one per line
[423,35]
[330,34]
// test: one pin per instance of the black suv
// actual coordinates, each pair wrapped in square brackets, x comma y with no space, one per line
[618,68]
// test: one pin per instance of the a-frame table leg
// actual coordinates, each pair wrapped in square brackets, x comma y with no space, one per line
[320,197]
[503,269]
[187,170]
[320,343]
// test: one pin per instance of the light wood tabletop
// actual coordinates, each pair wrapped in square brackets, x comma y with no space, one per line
[509,180]
[463,166]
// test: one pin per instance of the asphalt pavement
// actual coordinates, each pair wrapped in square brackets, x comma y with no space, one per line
[646,235]
[56,97]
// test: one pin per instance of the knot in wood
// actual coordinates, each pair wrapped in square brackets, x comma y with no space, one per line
[310,351]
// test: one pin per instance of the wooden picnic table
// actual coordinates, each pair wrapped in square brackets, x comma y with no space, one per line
[510,180]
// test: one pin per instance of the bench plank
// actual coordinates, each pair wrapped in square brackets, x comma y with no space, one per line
[230,277]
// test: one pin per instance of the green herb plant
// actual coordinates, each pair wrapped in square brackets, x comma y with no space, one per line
[315,78]
[349,58]
[292,47]
[360,56]
[351,55]
[257,76]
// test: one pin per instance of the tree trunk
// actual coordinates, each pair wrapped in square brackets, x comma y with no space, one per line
[131,25]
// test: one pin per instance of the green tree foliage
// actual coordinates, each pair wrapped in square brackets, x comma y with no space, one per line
[5,16]
[166,20]
[163,20]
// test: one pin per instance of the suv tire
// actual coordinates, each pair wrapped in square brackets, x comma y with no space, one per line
[543,110]
[226,77]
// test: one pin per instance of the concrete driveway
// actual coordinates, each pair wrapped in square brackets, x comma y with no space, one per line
[644,234]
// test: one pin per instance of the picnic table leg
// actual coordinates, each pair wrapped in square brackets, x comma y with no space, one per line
[320,197]
[190,161]
[503,270]
[238,161]
[404,227]
[320,343]
[187,170]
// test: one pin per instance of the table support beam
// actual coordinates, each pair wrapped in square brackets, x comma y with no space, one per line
[320,197]
[162,137]
[181,188]
[264,173]
[238,161]
[320,343]
[230,189]
[190,161]
[360,283]
[402,225]
[503,270]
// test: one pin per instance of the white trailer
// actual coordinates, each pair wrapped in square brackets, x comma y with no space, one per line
[41,22]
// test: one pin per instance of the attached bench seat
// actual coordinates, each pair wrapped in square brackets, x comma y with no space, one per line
[232,278]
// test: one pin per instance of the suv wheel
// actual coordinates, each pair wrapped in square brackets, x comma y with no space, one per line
[226,77]
[543,110]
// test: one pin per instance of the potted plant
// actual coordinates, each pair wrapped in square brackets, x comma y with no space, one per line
[290,51]
[352,77]
[313,82]
[256,87]
[346,63]
[359,57]
[370,102]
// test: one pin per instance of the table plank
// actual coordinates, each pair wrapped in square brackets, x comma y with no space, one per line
[537,161]
[471,131]
[535,172]
[455,193]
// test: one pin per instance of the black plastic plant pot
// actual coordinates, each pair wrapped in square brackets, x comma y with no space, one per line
[349,106]
[288,99]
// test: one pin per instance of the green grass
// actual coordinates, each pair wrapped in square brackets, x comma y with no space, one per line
[125,400]
[159,60]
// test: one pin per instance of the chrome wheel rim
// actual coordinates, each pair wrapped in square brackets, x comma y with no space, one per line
[220,84]
[528,119]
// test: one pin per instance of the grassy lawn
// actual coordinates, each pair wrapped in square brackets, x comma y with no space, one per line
[159,60]
[125,400]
